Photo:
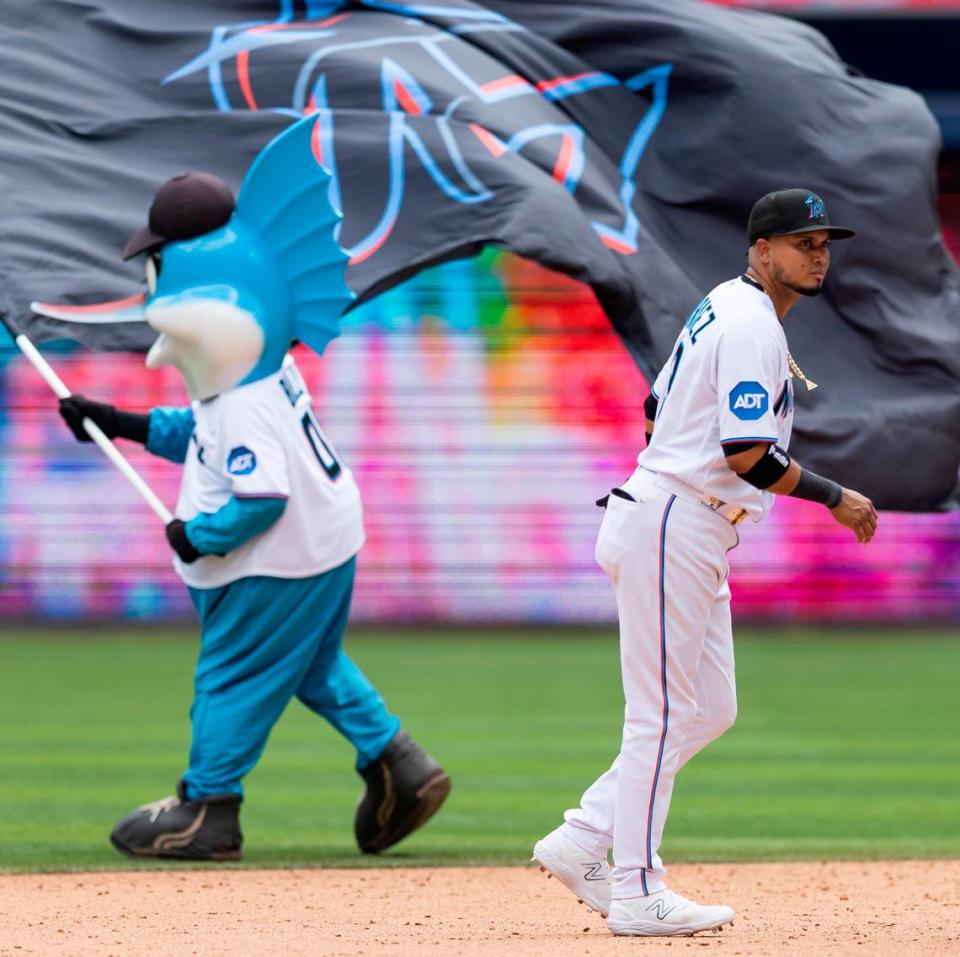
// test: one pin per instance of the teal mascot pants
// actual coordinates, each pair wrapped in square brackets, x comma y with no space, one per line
[264,641]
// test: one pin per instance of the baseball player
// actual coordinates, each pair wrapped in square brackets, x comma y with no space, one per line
[719,419]
[269,522]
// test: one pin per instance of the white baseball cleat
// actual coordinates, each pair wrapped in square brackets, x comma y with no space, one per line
[665,914]
[586,876]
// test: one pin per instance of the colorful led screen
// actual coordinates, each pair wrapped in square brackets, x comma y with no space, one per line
[484,407]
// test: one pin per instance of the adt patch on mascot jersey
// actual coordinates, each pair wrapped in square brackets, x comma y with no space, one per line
[749,400]
[241,461]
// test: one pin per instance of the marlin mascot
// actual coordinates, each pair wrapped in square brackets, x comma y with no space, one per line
[269,519]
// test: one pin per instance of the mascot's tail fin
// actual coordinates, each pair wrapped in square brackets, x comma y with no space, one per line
[286,198]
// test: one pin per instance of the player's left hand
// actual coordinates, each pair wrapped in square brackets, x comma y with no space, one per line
[857,513]
[177,537]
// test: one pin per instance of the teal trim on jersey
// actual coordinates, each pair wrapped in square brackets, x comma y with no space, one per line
[264,641]
[784,400]
[220,532]
[169,431]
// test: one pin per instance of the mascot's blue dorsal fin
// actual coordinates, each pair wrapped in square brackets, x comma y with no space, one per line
[285,199]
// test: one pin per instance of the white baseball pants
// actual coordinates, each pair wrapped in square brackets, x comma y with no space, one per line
[667,559]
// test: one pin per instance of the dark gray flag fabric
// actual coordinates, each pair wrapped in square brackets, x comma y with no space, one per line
[621,142]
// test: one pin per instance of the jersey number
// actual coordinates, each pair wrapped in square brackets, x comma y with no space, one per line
[699,319]
[320,445]
[677,356]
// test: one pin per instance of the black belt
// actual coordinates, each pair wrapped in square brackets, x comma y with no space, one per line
[619,492]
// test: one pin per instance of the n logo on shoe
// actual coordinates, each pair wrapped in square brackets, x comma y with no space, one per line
[593,871]
[661,909]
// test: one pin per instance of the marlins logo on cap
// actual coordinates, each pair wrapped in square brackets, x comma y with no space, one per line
[786,212]
[815,204]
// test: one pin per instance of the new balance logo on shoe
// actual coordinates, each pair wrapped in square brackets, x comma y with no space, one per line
[665,914]
[586,876]
[593,871]
[661,909]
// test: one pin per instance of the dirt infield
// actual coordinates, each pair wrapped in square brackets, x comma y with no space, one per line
[899,908]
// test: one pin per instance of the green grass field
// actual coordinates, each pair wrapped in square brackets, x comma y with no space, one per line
[846,747]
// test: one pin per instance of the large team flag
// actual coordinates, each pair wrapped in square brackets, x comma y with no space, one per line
[621,142]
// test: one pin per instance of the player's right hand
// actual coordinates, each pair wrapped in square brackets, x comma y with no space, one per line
[76,408]
[857,513]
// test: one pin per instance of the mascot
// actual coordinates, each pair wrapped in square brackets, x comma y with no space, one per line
[269,519]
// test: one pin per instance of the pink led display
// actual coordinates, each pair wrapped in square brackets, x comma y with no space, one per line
[483,408]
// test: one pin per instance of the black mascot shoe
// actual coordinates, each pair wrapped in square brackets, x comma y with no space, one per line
[207,829]
[404,789]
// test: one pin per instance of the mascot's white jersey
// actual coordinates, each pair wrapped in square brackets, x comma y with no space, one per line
[263,440]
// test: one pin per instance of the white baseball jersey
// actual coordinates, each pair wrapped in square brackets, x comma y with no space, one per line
[263,440]
[727,381]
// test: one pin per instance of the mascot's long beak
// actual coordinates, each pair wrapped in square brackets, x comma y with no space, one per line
[214,344]
[130,309]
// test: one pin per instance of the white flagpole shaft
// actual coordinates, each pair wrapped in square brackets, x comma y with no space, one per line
[93,430]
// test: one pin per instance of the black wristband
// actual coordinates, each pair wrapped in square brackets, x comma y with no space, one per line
[816,488]
[133,426]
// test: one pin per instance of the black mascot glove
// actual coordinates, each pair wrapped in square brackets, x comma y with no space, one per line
[113,423]
[75,408]
[177,537]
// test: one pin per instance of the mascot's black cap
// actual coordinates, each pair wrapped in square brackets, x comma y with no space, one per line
[789,211]
[186,206]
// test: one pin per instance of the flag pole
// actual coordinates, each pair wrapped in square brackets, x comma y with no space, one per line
[91,428]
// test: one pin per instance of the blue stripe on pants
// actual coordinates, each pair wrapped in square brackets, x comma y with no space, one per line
[263,641]
[663,685]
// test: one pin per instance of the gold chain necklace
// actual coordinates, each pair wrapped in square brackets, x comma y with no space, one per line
[797,372]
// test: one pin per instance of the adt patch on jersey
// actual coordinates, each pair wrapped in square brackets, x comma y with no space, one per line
[241,461]
[749,401]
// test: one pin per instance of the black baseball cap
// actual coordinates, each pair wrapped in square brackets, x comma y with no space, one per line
[186,206]
[789,211]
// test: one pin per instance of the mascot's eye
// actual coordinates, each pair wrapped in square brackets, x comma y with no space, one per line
[152,270]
